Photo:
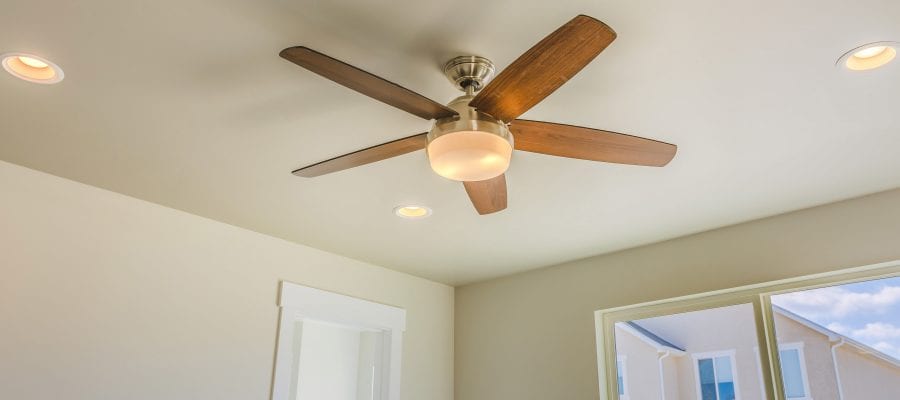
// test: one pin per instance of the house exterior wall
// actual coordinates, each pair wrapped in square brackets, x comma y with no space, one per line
[867,378]
[816,354]
[672,383]
[714,330]
[641,366]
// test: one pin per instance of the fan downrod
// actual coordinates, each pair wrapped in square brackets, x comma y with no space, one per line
[469,73]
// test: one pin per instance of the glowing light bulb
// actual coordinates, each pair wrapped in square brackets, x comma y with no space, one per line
[869,56]
[412,212]
[33,62]
[31,68]
[870,52]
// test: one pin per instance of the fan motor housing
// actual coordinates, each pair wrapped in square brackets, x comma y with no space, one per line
[469,119]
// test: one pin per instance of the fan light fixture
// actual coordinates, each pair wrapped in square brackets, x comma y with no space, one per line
[470,147]
[869,56]
[469,155]
[412,212]
[31,68]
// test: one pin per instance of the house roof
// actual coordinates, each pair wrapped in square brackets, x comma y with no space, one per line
[650,338]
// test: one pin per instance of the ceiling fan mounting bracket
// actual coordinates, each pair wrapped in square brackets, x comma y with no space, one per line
[469,72]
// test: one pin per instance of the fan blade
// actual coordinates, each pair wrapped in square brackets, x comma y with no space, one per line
[363,82]
[488,196]
[365,156]
[544,68]
[589,144]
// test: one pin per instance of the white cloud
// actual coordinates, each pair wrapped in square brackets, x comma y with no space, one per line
[877,331]
[837,302]
[839,328]
[884,346]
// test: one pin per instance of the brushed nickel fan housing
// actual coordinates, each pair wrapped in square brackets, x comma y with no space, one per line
[469,119]
[469,72]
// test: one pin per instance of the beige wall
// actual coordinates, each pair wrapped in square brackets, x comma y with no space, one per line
[106,297]
[531,335]
[866,377]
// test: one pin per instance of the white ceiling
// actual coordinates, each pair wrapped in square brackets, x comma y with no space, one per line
[186,103]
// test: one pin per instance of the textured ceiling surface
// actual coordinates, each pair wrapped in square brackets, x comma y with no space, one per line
[186,103]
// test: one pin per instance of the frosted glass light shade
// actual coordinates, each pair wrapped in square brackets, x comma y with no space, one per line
[469,155]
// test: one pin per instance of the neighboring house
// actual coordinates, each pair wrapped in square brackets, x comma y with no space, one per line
[714,355]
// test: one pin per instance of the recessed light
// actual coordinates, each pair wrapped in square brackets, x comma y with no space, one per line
[31,68]
[412,211]
[869,56]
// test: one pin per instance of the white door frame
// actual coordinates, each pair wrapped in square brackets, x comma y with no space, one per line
[299,303]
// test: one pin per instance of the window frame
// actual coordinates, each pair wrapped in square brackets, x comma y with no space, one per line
[802,361]
[758,295]
[730,353]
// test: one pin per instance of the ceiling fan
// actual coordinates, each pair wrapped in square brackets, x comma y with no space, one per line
[473,136]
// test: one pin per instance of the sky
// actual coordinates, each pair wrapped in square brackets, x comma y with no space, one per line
[868,312]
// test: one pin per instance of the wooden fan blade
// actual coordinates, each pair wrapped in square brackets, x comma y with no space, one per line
[488,196]
[589,144]
[363,82]
[365,156]
[544,68]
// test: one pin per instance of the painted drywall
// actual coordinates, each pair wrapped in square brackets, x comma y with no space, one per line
[103,296]
[531,335]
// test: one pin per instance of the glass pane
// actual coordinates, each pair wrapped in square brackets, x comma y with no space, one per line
[725,378]
[707,379]
[847,332]
[723,369]
[620,383]
[707,352]
[726,391]
[793,377]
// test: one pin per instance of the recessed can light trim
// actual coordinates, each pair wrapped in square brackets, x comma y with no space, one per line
[32,68]
[869,56]
[412,211]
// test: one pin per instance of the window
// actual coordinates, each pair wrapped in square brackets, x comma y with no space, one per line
[621,382]
[678,355]
[849,332]
[715,376]
[847,324]
[793,370]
